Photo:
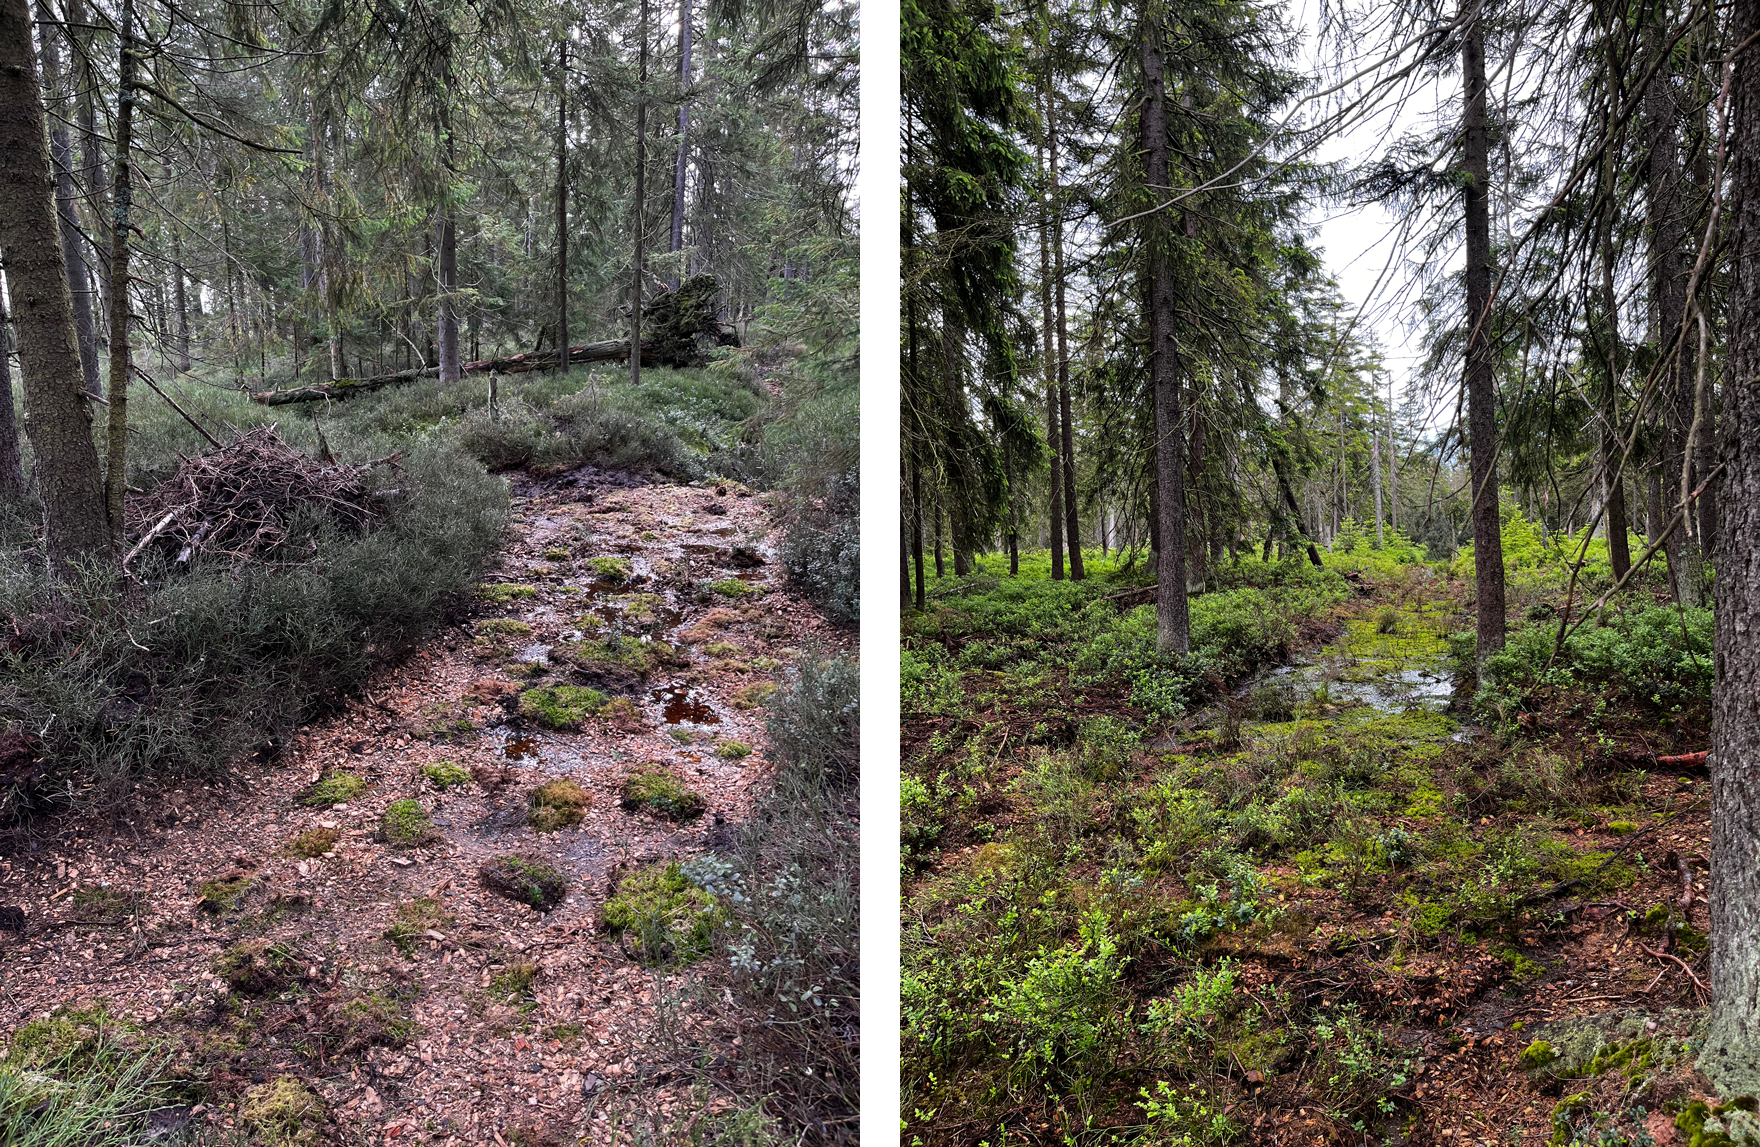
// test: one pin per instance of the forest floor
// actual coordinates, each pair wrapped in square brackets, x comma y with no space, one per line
[249,929]
[1326,908]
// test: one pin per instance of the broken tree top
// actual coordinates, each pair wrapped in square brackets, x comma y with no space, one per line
[678,329]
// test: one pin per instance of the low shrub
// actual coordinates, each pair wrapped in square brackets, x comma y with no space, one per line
[190,669]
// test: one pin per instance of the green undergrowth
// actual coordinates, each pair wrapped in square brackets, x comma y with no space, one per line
[1084,880]
[186,670]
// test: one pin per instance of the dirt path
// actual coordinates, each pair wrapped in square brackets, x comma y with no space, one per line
[480,1020]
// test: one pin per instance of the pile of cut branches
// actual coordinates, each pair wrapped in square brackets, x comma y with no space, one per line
[237,501]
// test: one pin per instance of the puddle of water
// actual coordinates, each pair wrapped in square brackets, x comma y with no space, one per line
[521,747]
[535,654]
[724,531]
[680,705]
[1390,691]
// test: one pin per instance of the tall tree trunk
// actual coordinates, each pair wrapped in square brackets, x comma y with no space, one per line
[635,287]
[1731,1054]
[73,253]
[684,127]
[917,533]
[11,466]
[1172,615]
[1197,514]
[1670,273]
[1071,506]
[446,239]
[1481,381]
[116,468]
[97,182]
[562,202]
[181,298]
[57,412]
[1047,362]
[1613,483]
[1392,464]
[1375,477]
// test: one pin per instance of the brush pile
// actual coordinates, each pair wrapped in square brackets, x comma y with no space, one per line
[237,501]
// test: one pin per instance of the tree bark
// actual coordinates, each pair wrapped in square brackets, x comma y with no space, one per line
[562,361]
[57,415]
[79,283]
[917,533]
[1481,381]
[11,466]
[97,182]
[122,203]
[635,286]
[1731,1054]
[181,299]
[1172,614]
[1047,361]
[684,127]
[1071,507]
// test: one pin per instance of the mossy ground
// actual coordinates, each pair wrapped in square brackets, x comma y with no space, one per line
[556,805]
[1119,869]
[658,790]
[406,824]
[337,788]
[662,915]
[561,707]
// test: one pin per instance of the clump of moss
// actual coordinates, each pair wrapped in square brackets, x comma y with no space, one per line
[732,750]
[284,1113]
[413,920]
[513,985]
[753,695]
[557,553]
[257,967]
[733,587]
[406,825]
[1621,827]
[222,895]
[1537,1055]
[639,606]
[623,715]
[373,1019]
[556,805]
[502,626]
[665,917]
[526,880]
[619,655]
[503,593]
[315,842]
[563,707]
[446,774]
[337,788]
[656,789]
[91,1036]
[721,649]
[101,902]
[613,570]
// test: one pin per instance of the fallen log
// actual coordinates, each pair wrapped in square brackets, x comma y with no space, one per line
[1685,759]
[612,350]
[680,326]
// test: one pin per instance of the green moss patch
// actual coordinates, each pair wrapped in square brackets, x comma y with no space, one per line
[283,1113]
[734,587]
[655,789]
[446,774]
[413,920]
[556,805]
[614,570]
[513,985]
[314,842]
[257,967]
[664,917]
[337,788]
[222,895]
[406,825]
[503,593]
[732,750]
[754,695]
[561,707]
[557,554]
[526,880]
[374,1020]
